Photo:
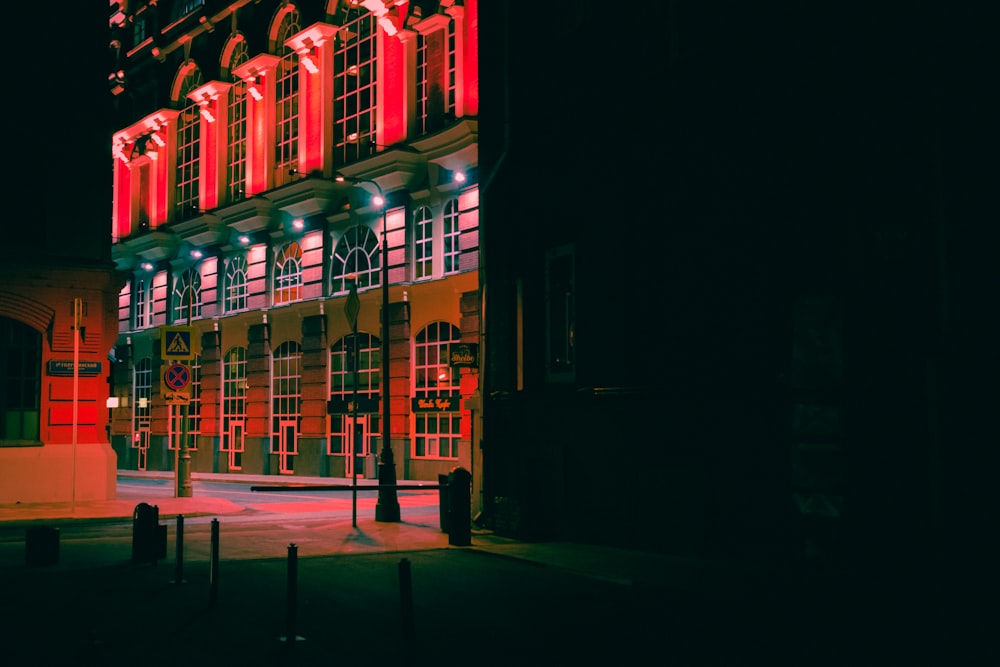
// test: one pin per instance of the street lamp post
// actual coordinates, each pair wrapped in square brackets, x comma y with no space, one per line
[387,507]
[184,488]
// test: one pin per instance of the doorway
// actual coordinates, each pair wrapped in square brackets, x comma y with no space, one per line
[285,445]
[358,443]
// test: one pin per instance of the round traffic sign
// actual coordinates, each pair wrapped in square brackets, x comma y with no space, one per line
[177,376]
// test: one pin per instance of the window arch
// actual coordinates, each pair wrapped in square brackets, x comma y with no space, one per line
[288,274]
[287,100]
[188,140]
[236,284]
[357,253]
[187,296]
[20,391]
[236,126]
[436,433]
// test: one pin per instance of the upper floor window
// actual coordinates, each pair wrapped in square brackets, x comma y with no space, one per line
[185,7]
[452,68]
[423,244]
[187,296]
[236,128]
[450,239]
[20,391]
[288,274]
[287,102]
[422,83]
[356,253]
[188,138]
[354,86]
[143,303]
[236,287]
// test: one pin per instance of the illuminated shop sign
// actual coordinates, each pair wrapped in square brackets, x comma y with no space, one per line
[64,367]
[450,403]
[464,355]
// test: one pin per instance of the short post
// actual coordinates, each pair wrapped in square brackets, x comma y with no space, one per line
[179,551]
[213,572]
[291,596]
[406,599]
[460,505]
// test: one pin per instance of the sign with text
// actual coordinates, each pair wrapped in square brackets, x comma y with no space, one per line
[463,355]
[64,367]
[449,403]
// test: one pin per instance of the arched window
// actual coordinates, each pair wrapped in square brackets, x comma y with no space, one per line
[188,149]
[236,286]
[368,358]
[288,274]
[20,391]
[286,380]
[236,127]
[287,101]
[436,432]
[234,406]
[356,253]
[187,296]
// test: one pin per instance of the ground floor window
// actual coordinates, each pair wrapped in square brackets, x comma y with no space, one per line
[20,391]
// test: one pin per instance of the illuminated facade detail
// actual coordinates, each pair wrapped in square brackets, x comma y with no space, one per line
[234,408]
[437,418]
[296,101]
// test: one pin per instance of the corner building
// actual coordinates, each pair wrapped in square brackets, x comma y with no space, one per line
[273,159]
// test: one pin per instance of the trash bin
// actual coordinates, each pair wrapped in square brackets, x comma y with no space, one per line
[41,546]
[444,501]
[149,538]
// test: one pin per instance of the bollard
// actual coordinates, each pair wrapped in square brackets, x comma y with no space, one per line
[291,596]
[179,553]
[213,572]
[406,599]
[460,507]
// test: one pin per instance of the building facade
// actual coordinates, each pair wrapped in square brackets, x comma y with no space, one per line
[58,285]
[285,174]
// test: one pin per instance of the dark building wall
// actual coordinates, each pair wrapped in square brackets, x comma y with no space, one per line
[753,194]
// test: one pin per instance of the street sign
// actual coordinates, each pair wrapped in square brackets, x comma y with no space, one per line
[175,343]
[175,381]
[176,398]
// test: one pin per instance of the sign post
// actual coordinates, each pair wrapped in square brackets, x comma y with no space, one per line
[351,309]
[175,381]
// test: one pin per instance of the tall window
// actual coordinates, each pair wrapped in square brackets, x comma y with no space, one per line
[143,303]
[188,135]
[236,284]
[356,253]
[560,314]
[20,390]
[287,102]
[368,357]
[354,86]
[234,405]
[452,69]
[143,392]
[450,240]
[423,245]
[422,88]
[288,274]
[436,432]
[286,378]
[236,130]
[187,295]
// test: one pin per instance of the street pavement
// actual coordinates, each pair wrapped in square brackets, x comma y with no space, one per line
[306,592]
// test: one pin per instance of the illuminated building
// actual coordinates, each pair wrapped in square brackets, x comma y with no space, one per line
[56,270]
[234,121]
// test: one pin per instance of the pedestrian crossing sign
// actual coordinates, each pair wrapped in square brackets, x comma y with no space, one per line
[175,343]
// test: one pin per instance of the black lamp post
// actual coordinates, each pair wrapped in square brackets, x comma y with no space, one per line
[387,507]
